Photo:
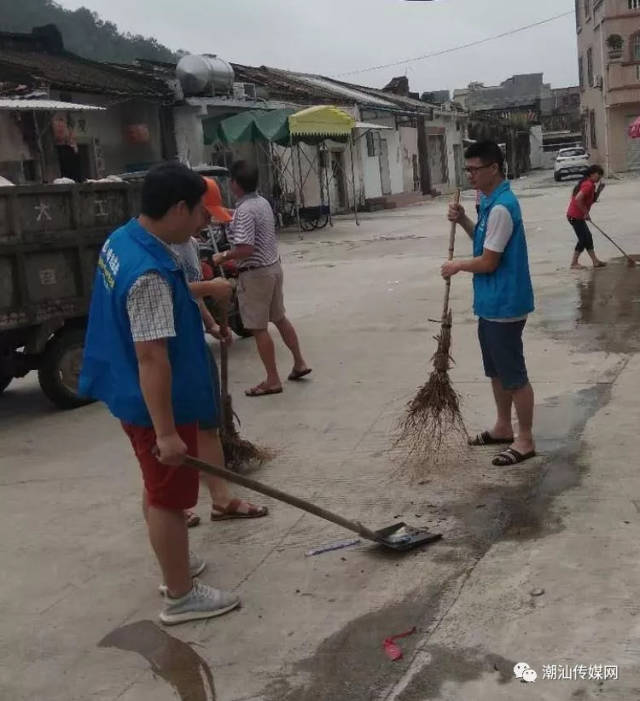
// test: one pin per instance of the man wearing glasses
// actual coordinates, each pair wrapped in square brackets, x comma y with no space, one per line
[503,298]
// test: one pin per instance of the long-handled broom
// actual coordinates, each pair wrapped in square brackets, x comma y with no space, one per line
[435,412]
[238,452]
[631,263]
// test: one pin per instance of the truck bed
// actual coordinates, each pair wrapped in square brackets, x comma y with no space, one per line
[50,236]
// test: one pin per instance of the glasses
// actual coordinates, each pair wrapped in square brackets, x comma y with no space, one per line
[472,170]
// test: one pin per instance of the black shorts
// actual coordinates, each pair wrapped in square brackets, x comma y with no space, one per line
[585,240]
[503,353]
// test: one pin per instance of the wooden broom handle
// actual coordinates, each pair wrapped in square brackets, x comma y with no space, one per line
[452,242]
[274,493]
[224,355]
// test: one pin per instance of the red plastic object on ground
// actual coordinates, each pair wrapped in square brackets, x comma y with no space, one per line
[393,651]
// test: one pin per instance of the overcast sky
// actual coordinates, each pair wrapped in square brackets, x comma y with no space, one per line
[332,37]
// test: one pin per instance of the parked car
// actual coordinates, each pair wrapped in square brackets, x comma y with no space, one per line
[571,161]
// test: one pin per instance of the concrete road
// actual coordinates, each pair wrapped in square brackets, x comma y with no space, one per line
[538,564]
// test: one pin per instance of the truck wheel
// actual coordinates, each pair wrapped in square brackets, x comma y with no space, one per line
[60,369]
[235,321]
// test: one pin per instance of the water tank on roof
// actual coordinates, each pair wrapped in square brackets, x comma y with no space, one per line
[204,75]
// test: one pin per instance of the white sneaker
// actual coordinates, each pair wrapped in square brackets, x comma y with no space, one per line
[196,567]
[202,601]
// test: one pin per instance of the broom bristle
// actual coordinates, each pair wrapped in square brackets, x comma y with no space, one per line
[434,413]
[237,451]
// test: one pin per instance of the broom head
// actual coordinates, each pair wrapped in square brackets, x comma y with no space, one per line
[238,452]
[434,413]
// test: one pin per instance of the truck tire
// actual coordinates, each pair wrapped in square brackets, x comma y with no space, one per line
[60,369]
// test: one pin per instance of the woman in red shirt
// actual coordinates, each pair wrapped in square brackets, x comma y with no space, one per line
[584,195]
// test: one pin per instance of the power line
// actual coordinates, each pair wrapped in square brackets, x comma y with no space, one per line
[458,48]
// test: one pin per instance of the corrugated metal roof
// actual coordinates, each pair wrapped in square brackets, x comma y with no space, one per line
[354,94]
[23,105]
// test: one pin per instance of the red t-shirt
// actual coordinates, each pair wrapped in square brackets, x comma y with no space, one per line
[588,190]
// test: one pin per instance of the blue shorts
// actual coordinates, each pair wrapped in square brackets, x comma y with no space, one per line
[212,421]
[502,352]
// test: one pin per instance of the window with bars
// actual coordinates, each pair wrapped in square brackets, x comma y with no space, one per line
[634,42]
[634,4]
[590,67]
[581,71]
[373,147]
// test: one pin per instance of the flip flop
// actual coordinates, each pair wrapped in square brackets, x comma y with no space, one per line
[485,438]
[237,508]
[510,456]
[299,374]
[261,391]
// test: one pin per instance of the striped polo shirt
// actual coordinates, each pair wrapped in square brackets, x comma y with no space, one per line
[254,225]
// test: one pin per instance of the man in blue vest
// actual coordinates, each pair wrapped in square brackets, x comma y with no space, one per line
[145,357]
[503,298]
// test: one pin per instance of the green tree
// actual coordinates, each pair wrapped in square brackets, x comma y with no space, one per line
[84,32]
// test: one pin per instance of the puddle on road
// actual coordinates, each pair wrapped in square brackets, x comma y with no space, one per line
[602,312]
[523,509]
[517,504]
[171,659]
[350,665]
[460,665]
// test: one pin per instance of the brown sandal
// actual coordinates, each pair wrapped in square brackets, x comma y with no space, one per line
[237,508]
[192,519]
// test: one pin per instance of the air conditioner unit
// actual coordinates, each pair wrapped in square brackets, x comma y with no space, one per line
[244,91]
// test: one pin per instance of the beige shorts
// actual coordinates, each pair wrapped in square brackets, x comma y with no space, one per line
[260,296]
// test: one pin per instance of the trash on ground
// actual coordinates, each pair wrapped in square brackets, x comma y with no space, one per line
[338,545]
[393,651]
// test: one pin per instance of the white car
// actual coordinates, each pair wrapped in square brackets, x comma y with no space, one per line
[571,161]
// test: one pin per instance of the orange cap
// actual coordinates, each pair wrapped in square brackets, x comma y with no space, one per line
[213,202]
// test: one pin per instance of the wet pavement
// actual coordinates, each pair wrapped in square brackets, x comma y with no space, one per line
[169,658]
[312,628]
[602,311]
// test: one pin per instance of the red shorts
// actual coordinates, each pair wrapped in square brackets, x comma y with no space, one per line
[167,486]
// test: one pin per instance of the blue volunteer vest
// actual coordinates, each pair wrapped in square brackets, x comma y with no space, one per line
[110,367]
[507,292]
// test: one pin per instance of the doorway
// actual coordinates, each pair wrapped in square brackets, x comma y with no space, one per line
[338,181]
[385,172]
